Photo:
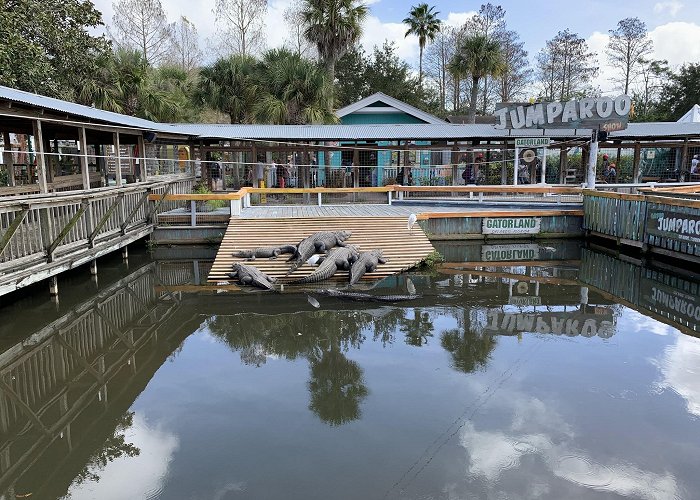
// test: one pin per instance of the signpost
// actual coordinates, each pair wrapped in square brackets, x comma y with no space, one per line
[598,114]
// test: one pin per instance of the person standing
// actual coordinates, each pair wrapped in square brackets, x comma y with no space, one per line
[695,165]
[259,174]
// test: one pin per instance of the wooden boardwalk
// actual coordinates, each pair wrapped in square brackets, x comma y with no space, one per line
[402,248]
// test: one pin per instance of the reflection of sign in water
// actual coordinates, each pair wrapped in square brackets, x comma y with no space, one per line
[604,112]
[525,301]
[557,323]
[511,225]
[532,142]
[495,253]
[670,302]
[674,225]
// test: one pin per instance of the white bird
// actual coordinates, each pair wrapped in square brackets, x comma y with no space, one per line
[411,221]
[313,301]
[410,286]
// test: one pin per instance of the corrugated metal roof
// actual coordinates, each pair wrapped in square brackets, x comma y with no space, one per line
[71,108]
[436,131]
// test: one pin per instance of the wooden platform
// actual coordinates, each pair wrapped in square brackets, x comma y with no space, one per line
[402,248]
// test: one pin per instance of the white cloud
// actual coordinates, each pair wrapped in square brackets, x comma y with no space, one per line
[457,19]
[677,42]
[672,7]
[680,368]
[145,474]
[376,32]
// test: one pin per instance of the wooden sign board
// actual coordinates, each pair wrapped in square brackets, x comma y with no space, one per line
[509,253]
[603,112]
[511,225]
[670,302]
[533,142]
[674,225]
[525,301]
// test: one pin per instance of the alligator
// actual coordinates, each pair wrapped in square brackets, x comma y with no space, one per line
[368,297]
[319,242]
[337,259]
[249,275]
[366,263]
[269,252]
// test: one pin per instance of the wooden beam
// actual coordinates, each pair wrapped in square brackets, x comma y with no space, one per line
[7,158]
[117,155]
[82,145]
[66,229]
[105,218]
[40,158]
[636,171]
[7,236]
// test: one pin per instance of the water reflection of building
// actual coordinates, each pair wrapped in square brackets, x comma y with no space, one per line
[663,296]
[69,385]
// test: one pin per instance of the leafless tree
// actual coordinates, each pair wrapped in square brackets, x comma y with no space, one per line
[142,25]
[518,74]
[185,51]
[628,47]
[565,67]
[295,40]
[240,25]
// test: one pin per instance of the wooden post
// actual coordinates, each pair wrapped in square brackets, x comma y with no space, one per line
[563,163]
[636,171]
[7,158]
[93,267]
[117,156]
[684,160]
[53,285]
[454,160]
[544,165]
[516,164]
[40,159]
[82,145]
[504,166]
[141,160]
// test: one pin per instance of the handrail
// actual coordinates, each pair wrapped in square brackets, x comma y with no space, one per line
[653,196]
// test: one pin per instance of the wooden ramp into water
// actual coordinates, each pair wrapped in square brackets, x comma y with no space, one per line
[402,248]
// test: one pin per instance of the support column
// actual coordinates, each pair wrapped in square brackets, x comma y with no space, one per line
[7,158]
[40,157]
[504,166]
[53,285]
[125,252]
[93,267]
[543,178]
[516,164]
[592,161]
[82,145]
[636,170]
[117,156]
[141,160]
[563,164]
[684,161]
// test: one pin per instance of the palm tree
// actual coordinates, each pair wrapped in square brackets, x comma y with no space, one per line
[297,90]
[230,86]
[477,57]
[334,26]
[423,23]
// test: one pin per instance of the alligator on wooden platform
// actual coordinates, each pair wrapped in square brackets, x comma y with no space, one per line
[366,297]
[266,252]
[366,263]
[337,259]
[249,275]
[319,242]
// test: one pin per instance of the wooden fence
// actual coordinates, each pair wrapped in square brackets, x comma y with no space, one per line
[662,223]
[43,235]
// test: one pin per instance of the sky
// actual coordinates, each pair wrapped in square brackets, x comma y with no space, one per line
[674,25]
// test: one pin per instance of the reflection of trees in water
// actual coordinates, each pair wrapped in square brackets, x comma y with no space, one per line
[417,330]
[114,447]
[336,384]
[469,350]
[337,387]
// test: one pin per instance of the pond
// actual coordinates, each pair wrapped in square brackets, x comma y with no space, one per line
[525,370]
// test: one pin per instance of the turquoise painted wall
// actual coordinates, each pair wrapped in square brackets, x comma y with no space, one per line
[378,119]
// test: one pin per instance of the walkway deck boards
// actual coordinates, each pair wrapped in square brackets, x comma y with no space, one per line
[403,248]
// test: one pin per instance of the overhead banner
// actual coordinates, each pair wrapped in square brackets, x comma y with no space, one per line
[602,112]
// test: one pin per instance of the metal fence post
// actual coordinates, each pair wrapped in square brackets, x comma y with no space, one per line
[193,213]
[319,201]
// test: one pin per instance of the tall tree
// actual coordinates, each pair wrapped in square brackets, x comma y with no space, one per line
[185,45]
[351,70]
[230,86]
[422,22]
[240,25]
[653,76]
[294,90]
[334,26]
[566,67]
[437,61]
[477,57]
[46,46]
[489,22]
[295,40]
[681,92]
[627,48]
[517,74]
[142,25]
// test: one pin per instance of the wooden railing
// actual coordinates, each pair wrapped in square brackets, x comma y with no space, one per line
[43,235]
[661,221]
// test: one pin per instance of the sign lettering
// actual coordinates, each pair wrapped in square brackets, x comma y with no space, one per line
[511,225]
[498,253]
[604,112]
[674,225]
[557,323]
[533,142]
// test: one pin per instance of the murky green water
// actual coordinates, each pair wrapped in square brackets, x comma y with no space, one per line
[511,381]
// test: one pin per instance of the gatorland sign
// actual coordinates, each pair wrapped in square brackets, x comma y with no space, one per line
[605,113]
